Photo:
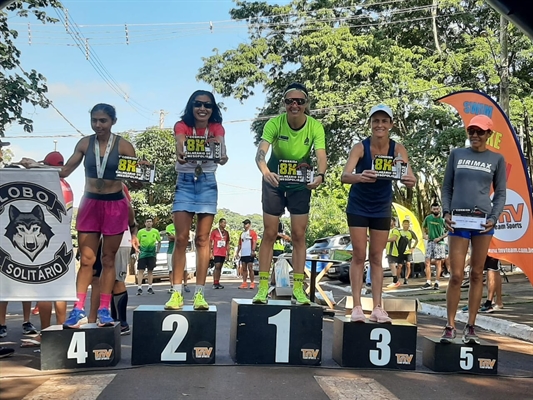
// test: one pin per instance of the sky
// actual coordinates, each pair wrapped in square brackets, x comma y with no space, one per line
[154,65]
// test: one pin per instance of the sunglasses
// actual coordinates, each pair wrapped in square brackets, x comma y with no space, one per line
[298,101]
[478,132]
[199,104]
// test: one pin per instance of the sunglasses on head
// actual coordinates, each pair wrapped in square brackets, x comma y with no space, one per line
[298,101]
[473,131]
[199,104]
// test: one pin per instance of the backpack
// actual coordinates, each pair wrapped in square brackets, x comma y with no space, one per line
[403,243]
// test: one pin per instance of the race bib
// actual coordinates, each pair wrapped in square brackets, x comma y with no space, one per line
[387,168]
[198,148]
[295,172]
[221,243]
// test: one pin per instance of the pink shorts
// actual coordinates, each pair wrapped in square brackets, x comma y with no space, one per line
[107,214]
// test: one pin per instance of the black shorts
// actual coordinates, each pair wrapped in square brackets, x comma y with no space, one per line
[491,264]
[393,259]
[146,263]
[219,259]
[378,224]
[247,259]
[275,200]
[405,258]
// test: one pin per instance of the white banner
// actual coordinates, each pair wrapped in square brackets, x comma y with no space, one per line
[36,257]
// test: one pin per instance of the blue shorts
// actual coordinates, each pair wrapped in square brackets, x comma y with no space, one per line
[196,195]
[469,233]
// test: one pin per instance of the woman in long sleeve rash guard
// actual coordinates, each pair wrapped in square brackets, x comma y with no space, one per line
[470,174]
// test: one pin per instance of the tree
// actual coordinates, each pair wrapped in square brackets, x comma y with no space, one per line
[352,55]
[16,85]
[155,200]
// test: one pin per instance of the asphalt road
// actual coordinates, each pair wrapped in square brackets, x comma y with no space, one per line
[22,379]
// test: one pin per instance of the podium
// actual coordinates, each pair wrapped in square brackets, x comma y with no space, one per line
[373,345]
[86,347]
[459,357]
[275,333]
[181,336]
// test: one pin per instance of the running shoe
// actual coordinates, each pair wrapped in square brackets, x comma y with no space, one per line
[28,328]
[252,285]
[139,292]
[380,316]
[35,310]
[427,286]
[75,319]
[6,352]
[199,302]
[3,331]
[171,290]
[175,302]
[448,335]
[358,315]
[469,335]
[405,282]
[393,285]
[104,317]
[299,296]
[150,291]
[436,286]
[244,285]
[186,288]
[218,286]
[125,330]
[262,295]
[465,308]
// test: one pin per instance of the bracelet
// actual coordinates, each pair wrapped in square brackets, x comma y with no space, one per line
[323,177]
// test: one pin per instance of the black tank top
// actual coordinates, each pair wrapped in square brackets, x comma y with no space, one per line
[89,162]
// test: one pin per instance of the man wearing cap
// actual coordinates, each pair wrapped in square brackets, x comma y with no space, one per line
[369,207]
[246,249]
[286,183]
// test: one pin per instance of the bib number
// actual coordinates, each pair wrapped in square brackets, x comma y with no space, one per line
[221,243]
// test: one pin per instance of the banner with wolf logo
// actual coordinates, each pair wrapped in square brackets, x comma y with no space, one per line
[36,257]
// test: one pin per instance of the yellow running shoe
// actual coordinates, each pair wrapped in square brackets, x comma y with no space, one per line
[199,302]
[175,302]
[299,295]
[262,295]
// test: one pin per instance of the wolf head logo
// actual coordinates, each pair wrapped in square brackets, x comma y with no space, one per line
[28,231]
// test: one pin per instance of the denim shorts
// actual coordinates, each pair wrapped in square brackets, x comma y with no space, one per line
[196,195]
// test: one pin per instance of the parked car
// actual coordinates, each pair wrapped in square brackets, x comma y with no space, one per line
[325,249]
[161,267]
[341,272]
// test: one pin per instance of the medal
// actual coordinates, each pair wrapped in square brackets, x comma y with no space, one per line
[99,184]
[198,171]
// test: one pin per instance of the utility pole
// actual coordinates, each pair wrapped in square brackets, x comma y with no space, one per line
[55,145]
[504,65]
[162,114]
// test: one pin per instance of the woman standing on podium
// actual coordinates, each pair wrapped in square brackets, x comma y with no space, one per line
[469,176]
[196,193]
[292,136]
[369,208]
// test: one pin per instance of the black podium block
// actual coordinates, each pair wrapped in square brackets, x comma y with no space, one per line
[275,333]
[459,357]
[181,336]
[87,347]
[372,345]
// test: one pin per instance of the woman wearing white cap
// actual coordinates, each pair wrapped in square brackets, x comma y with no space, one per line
[473,171]
[369,207]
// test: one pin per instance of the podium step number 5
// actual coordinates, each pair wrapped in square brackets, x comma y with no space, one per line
[169,352]
[381,356]
[282,321]
[76,349]
[466,358]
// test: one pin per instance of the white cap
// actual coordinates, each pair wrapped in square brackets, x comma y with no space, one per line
[381,107]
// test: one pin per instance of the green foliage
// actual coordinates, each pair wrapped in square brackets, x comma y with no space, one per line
[17,88]
[352,55]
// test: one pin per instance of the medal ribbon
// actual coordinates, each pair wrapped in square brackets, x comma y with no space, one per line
[100,167]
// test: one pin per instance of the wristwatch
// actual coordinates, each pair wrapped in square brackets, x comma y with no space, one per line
[323,177]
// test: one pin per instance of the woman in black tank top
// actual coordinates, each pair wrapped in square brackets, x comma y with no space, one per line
[104,210]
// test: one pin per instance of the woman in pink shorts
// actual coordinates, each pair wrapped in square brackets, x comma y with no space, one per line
[104,210]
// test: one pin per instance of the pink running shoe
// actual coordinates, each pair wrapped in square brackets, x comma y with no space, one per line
[380,316]
[358,315]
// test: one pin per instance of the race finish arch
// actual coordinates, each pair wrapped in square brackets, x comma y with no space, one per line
[513,238]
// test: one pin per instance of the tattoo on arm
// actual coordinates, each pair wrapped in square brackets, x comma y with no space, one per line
[260,156]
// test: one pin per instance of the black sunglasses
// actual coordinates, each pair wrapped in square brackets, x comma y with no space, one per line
[199,104]
[298,101]
[479,132]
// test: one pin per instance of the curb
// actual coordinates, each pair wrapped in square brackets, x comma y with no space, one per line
[496,325]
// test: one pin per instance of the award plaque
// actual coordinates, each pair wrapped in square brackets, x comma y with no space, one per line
[387,167]
[291,171]
[468,219]
[198,148]
[130,168]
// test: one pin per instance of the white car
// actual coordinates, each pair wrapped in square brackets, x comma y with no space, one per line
[161,266]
